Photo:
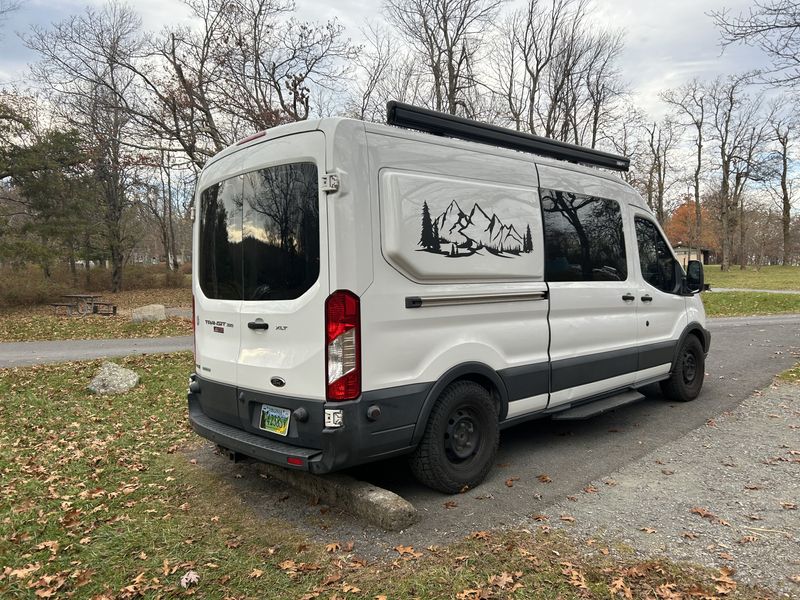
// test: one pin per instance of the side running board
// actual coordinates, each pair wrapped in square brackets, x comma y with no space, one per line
[591,409]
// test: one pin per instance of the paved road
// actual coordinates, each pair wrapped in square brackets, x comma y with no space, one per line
[746,354]
[22,354]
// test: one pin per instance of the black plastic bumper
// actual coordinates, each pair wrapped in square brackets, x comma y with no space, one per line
[251,445]
[359,440]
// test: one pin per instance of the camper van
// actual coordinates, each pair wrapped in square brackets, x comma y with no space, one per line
[366,290]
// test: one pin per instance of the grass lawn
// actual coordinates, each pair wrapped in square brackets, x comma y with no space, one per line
[39,322]
[792,375]
[766,278]
[99,501]
[739,304]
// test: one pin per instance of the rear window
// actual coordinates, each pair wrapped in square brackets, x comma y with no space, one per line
[259,234]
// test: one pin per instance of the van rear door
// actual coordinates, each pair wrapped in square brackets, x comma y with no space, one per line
[284,283]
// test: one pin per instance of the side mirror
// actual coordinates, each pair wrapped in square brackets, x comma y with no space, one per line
[695,282]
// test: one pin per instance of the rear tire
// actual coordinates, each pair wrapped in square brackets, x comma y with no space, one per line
[686,380]
[460,440]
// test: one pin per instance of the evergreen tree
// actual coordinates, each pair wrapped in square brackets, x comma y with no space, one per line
[427,239]
[528,241]
[436,245]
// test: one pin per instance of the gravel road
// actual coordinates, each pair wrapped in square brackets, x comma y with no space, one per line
[725,494]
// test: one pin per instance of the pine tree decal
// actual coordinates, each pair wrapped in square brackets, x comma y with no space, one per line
[427,239]
[436,245]
[527,243]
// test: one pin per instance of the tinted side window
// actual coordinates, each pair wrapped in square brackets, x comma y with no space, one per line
[220,258]
[281,232]
[583,238]
[655,258]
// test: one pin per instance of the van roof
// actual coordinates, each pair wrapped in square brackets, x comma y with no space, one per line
[340,125]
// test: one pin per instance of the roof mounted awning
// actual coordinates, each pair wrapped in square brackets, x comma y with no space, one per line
[431,121]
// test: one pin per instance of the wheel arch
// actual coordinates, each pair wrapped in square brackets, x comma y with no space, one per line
[477,372]
[697,330]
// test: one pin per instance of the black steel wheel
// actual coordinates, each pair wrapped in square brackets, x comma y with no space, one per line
[460,440]
[688,372]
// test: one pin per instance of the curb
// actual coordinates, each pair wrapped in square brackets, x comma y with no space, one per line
[376,505]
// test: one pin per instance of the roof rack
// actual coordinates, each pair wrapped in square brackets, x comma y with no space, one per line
[431,121]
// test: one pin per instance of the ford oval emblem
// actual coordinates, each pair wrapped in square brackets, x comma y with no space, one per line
[278,381]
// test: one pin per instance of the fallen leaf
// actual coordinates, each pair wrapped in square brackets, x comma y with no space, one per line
[510,481]
[333,547]
[648,530]
[544,478]
[256,573]
[789,505]
[479,535]
[618,586]
[540,518]
[567,518]
[501,580]
[689,535]
[747,539]
[450,504]
[725,555]
[590,489]
[189,578]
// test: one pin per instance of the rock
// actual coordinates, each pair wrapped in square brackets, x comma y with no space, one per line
[151,312]
[113,379]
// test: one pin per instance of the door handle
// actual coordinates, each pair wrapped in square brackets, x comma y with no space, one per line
[647,298]
[629,297]
[258,325]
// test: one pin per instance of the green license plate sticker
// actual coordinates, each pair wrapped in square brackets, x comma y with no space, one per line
[274,419]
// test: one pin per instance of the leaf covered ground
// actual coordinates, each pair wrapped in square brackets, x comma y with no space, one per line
[38,323]
[99,500]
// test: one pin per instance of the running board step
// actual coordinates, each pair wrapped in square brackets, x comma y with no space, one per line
[591,409]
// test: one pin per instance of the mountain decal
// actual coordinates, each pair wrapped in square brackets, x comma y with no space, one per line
[455,233]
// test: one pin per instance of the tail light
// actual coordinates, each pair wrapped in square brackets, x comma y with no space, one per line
[343,345]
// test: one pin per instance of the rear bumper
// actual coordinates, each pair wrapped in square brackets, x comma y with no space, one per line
[359,440]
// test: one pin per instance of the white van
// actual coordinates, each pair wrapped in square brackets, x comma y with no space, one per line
[364,290]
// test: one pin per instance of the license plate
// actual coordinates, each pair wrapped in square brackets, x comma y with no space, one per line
[274,419]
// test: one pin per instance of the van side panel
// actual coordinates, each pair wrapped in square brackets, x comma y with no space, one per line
[462,277]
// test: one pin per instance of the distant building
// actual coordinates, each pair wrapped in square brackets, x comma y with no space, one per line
[682,252]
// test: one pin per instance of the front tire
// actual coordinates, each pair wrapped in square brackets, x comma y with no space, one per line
[686,380]
[460,440]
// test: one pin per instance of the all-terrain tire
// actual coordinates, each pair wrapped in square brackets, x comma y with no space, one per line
[686,380]
[460,441]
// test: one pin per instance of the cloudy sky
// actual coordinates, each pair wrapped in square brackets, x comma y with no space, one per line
[667,42]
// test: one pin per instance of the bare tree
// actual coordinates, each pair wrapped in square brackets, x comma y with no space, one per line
[661,142]
[783,133]
[554,76]
[80,64]
[246,66]
[738,134]
[689,103]
[446,35]
[774,27]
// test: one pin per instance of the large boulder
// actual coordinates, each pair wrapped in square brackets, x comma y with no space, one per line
[151,312]
[113,379]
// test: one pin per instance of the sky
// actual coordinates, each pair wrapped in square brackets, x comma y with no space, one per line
[666,42]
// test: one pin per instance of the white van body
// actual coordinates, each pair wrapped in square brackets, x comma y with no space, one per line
[461,258]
